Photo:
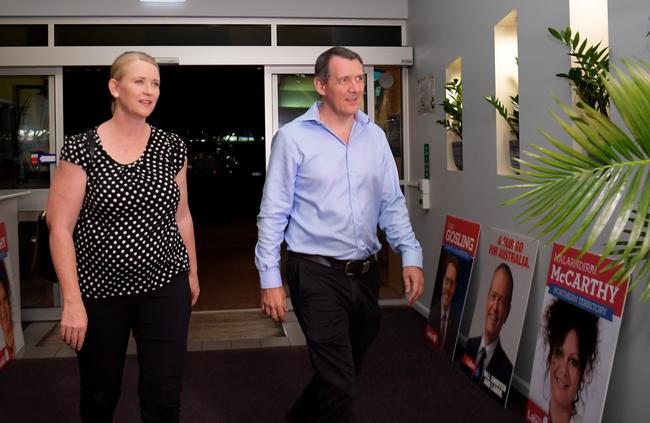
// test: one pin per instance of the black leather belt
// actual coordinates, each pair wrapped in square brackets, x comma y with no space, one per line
[349,267]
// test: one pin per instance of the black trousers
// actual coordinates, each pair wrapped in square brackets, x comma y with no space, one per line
[340,316]
[159,321]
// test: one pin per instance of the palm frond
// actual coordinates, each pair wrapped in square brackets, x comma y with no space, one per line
[581,193]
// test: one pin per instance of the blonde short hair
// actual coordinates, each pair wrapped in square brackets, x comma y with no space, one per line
[117,68]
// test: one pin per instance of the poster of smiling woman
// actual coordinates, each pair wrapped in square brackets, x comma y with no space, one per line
[507,266]
[579,327]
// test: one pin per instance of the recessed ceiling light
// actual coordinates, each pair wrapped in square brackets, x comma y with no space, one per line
[162,1]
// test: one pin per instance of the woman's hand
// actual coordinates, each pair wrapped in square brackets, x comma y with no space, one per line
[194,287]
[74,324]
[186,229]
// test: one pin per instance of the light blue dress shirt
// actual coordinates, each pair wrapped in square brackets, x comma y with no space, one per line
[330,196]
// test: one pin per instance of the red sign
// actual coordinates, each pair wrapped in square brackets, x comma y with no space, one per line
[582,280]
[467,360]
[4,246]
[432,335]
[462,234]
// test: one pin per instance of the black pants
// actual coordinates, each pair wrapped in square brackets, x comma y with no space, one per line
[159,321]
[340,316]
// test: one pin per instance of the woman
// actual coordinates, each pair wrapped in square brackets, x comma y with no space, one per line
[122,243]
[571,335]
[6,320]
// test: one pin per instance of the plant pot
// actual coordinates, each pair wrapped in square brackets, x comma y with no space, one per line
[457,152]
[513,146]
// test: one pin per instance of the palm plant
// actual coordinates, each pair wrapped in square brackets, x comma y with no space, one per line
[453,107]
[607,182]
[589,71]
[511,118]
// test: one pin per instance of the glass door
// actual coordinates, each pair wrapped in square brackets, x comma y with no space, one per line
[27,158]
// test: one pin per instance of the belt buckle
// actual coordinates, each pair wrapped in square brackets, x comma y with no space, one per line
[365,266]
[347,271]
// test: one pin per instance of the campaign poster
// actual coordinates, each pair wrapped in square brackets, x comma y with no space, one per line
[578,331]
[507,268]
[459,245]
[11,338]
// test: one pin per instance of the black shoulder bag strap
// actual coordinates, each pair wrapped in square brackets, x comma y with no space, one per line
[90,136]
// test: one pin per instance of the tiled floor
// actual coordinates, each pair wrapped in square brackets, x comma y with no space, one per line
[41,340]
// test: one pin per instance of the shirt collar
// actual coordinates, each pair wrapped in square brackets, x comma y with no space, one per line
[313,115]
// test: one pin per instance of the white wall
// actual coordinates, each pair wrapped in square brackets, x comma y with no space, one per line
[440,31]
[380,9]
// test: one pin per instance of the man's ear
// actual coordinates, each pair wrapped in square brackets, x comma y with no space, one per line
[320,85]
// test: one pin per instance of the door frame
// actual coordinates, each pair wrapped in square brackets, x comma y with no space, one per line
[38,198]
[30,205]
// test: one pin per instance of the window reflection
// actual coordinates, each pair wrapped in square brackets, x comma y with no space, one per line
[388,109]
[24,132]
[296,94]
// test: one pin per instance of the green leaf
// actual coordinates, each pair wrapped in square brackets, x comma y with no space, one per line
[605,186]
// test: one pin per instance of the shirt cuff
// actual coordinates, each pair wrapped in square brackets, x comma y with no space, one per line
[270,278]
[412,258]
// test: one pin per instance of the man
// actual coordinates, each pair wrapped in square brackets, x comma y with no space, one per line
[331,181]
[486,349]
[443,318]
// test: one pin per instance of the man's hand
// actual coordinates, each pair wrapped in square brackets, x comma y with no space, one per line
[274,303]
[413,282]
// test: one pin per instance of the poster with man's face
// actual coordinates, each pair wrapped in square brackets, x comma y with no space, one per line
[507,267]
[459,244]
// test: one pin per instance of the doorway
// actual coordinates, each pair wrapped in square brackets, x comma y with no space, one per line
[219,112]
[222,114]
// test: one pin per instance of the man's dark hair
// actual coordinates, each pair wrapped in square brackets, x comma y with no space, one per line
[322,67]
[453,261]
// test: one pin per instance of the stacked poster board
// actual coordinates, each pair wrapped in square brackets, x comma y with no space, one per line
[11,338]
[459,246]
[507,267]
[579,327]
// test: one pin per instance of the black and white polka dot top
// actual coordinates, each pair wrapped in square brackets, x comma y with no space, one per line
[126,239]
